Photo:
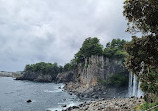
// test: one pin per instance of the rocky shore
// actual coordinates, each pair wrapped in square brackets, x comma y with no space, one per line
[96,92]
[119,104]
[102,99]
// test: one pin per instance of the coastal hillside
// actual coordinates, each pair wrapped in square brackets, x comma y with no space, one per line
[92,66]
[41,72]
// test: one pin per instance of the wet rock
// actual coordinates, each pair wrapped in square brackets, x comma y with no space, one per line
[132,96]
[29,101]
[64,105]
[96,97]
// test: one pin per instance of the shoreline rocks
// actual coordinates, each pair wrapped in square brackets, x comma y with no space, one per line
[119,104]
[39,78]
[29,101]
[96,92]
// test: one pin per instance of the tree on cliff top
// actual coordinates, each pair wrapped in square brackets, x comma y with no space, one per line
[114,49]
[44,69]
[91,46]
[142,52]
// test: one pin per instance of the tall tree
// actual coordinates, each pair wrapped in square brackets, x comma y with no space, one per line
[142,16]
[114,49]
[91,46]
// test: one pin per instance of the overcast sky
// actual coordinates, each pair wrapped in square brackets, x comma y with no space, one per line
[53,30]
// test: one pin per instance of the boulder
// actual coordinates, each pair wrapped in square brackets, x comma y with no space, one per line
[29,101]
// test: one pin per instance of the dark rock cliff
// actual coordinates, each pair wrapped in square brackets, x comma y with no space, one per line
[65,77]
[32,76]
[86,74]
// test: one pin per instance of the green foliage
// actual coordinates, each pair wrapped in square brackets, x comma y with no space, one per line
[61,69]
[116,80]
[117,43]
[70,66]
[67,67]
[142,15]
[151,87]
[44,69]
[114,49]
[147,105]
[144,50]
[90,46]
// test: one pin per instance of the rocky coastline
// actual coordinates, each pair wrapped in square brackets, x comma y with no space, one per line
[35,77]
[102,99]
[119,104]
[83,82]
[97,92]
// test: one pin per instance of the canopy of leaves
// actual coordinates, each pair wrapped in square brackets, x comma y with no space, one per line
[114,49]
[91,46]
[44,68]
[142,52]
[143,57]
[142,15]
[68,67]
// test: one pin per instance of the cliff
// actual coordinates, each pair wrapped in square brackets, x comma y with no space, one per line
[65,77]
[86,74]
[32,76]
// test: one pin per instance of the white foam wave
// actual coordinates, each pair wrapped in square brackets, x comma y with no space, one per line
[70,104]
[55,91]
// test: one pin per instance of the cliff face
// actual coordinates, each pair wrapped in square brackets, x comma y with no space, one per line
[113,66]
[87,73]
[65,77]
[32,76]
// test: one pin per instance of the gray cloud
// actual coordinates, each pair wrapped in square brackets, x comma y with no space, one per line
[53,31]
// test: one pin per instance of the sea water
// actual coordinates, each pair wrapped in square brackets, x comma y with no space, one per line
[44,96]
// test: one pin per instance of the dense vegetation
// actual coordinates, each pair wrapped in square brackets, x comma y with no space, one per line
[91,46]
[142,15]
[117,80]
[142,52]
[147,105]
[115,49]
[44,69]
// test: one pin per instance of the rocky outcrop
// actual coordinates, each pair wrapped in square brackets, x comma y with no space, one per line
[35,77]
[43,78]
[114,66]
[87,73]
[121,104]
[65,77]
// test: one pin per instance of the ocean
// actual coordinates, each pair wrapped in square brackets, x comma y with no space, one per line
[44,96]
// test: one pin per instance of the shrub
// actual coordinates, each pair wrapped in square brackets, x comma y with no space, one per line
[116,80]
